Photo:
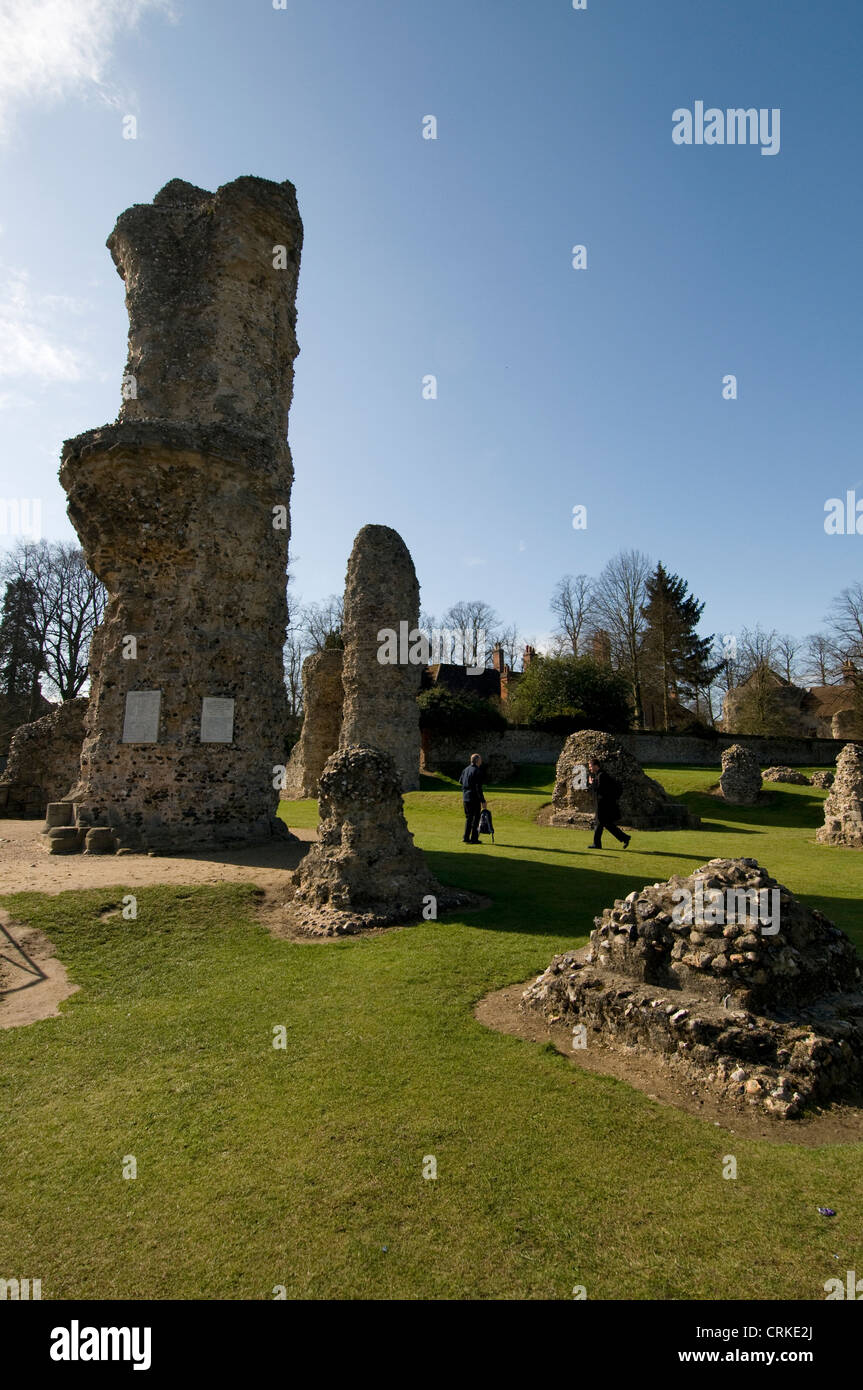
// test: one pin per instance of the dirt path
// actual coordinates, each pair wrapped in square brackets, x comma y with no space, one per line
[841,1124]
[25,865]
[32,981]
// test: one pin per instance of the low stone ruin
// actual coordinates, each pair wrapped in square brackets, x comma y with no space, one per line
[365,870]
[644,804]
[727,977]
[323,694]
[785,774]
[843,809]
[824,780]
[382,595]
[740,783]
[43,761]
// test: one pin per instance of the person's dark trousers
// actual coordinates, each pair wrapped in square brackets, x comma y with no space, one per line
[472,809]
[601,823]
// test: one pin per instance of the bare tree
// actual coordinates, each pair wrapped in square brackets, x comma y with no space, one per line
[571,604]
[321,622]
[78,609]
[509,638]
[293,654]
[476,627]
[787,649]
[821,659]
[846,623]
[68,605]
[756,649]
[618,599]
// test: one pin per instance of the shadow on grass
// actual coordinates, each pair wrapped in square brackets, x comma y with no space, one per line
[536,899]
[779,809]
[605,849]
[843,912]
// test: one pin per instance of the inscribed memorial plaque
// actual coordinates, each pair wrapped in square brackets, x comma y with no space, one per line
[141,723]
[217,720]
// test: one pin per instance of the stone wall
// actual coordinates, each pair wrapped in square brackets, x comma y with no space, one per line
[43,761]
[651,749]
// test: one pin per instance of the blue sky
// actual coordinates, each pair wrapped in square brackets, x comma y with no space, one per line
[556,387]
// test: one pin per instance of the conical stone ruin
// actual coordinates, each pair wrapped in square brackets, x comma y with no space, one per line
[182,507]
[726,977]
[382,595]
[365,870]
[644,804]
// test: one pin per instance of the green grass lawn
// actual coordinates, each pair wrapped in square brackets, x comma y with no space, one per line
[303,1167]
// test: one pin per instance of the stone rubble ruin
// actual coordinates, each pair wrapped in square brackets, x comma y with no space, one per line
[364,870]
[786,774]
[843,808]
[644,804]
[725,976]
[740,783]
[380,706]
[43,761]
[323,698]
[182,507]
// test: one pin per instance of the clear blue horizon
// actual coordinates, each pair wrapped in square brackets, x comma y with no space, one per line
[452,257]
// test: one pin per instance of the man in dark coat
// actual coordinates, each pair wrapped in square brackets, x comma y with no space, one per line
[605,796]
[473,797]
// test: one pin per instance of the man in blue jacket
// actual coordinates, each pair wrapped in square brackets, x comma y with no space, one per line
[473,798]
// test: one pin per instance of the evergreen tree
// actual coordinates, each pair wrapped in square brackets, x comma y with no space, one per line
[673,654]
[20,650]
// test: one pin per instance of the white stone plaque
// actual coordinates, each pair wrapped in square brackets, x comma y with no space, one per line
[217,720]
[141,724]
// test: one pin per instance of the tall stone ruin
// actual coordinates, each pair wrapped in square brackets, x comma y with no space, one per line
[843,809]
[182,507]
[382,594]
[740,783]
[323,697]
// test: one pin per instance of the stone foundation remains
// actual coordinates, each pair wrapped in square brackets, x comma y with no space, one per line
[182,508]
[843,809]
[822,779]
[365,870]
[725,976]
[740,783]
[380,708]
[43,761]
[323,698]
[644,804]
[785,774]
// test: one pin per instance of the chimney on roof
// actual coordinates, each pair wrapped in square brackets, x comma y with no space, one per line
[529,654]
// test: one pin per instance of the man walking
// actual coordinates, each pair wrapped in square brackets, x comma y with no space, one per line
[605,795]
[473,797]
